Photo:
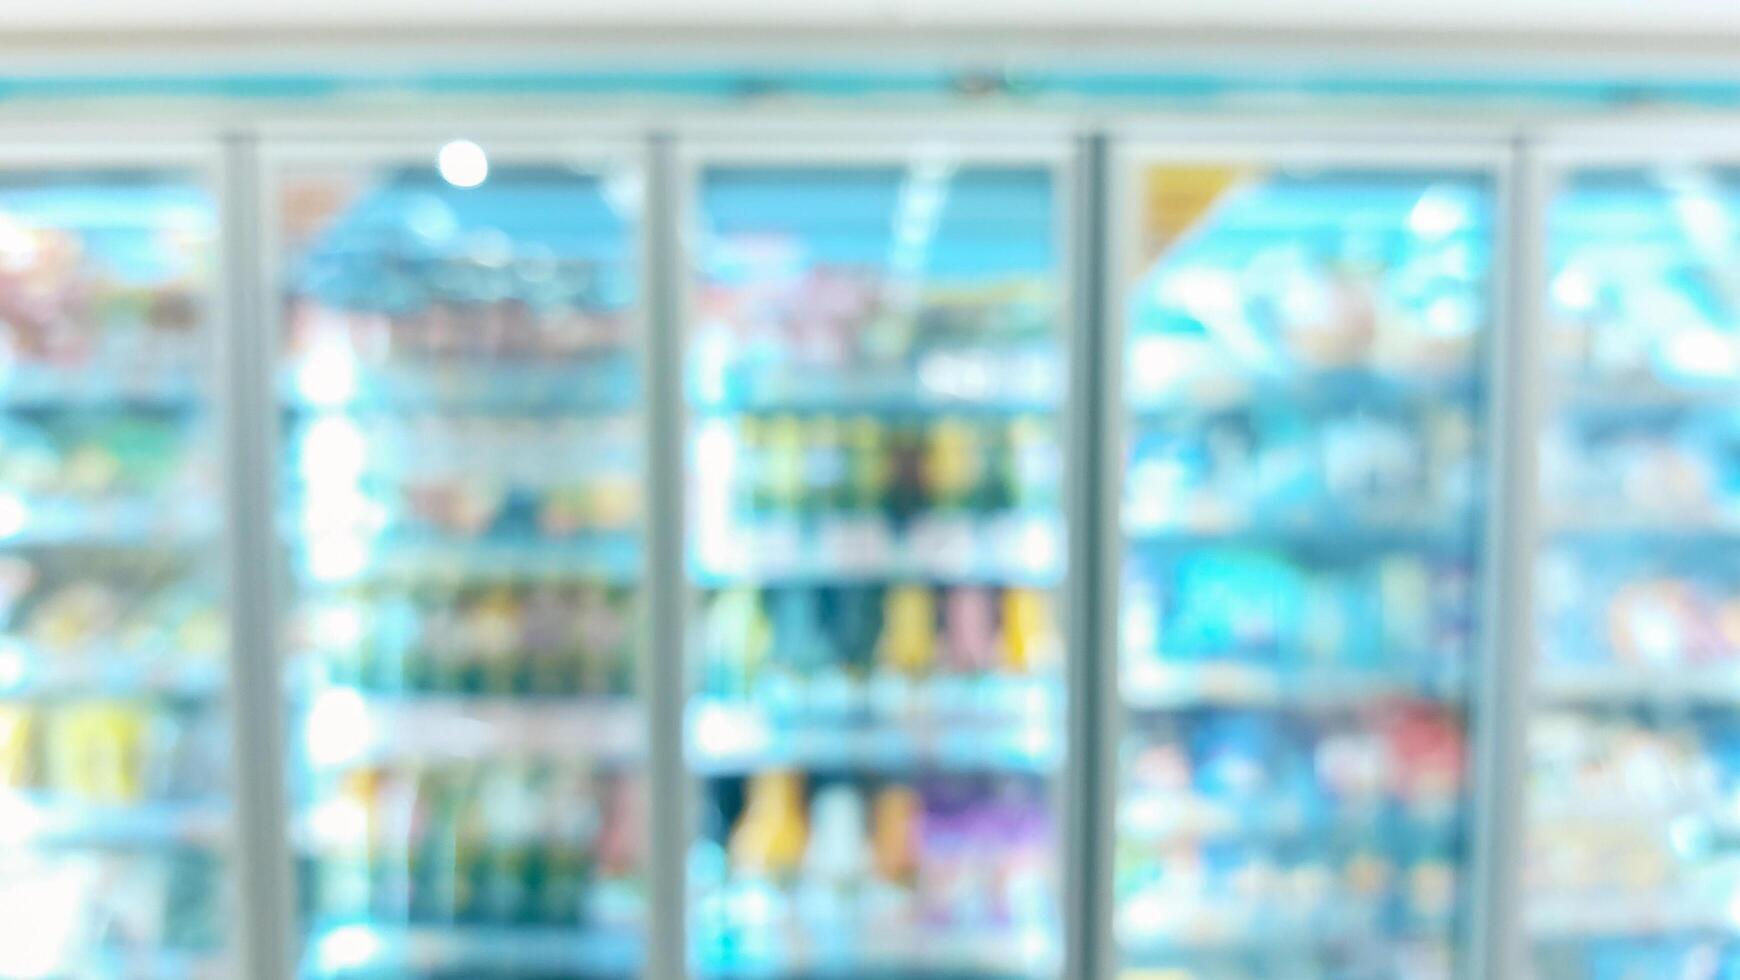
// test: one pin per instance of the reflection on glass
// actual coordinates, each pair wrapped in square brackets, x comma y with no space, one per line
[461,509]
[1301,518]
[1634,864]
[113,744]
[874,378]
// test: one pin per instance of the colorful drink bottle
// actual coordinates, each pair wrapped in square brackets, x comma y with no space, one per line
[953,463]
[825,464]
[1029,635]
[908,644]
[838,854]
[770,838]
[869,466]
[544,640]
[736,642]
[906,488]
[970,628]
[799,643]
[857,624]
[622,836]
[894,834]
[602,632]
[783,463]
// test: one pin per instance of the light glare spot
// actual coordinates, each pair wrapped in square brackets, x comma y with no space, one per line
[463,163]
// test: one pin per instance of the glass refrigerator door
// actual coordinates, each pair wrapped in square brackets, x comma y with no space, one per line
[114,813]
[875,378]
[460,502]
[1301,516]
[1635,741]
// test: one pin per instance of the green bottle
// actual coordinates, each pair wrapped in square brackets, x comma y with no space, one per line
[825,468]
[434,888]
[471,852]
[869,466]
[784,463]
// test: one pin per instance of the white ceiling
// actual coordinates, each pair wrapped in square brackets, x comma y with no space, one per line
[1581,17]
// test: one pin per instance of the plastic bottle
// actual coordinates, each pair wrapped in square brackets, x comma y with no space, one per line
[838,856]
[825,465]
[799,643]
[908,643]
[870,470]
[783,462]
[970,626]
[735,642]
[601,632]
[953,463]
[544,633]
[894,835]
[1029,638]
[771,836]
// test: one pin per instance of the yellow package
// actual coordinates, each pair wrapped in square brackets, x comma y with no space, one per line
[17,747]
[94,751]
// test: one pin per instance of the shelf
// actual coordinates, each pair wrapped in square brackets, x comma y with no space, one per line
[1620,685]
[997,378]
[1608,807]
[1185,926]
[727,738]
[1605,530]
[26,820]
[612,556]
[181,521]
[1331,389]
[27,674]
[836,698]
[598,385]
[1572,918]
[1169,687]
[1327,536]
[840,395]
[100,388]
[452,950]
[1012,549]
[344,728]
[1638,398]
[856,951]
[1180,817]
[153,964]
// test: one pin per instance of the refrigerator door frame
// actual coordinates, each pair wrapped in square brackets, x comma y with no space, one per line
[1498,943]
[1480,943]
[268,886]
[665,679]
[1087,911]
[831,142]
[281,151]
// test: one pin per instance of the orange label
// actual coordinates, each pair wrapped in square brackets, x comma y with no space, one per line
[1176,196]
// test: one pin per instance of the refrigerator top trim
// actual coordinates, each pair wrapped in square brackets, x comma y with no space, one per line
[1313,125]
[749,124]
[422,115]
[1322,148]
[1638,143]
[90,131]
[845,147]
[91,150]
[279,153]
